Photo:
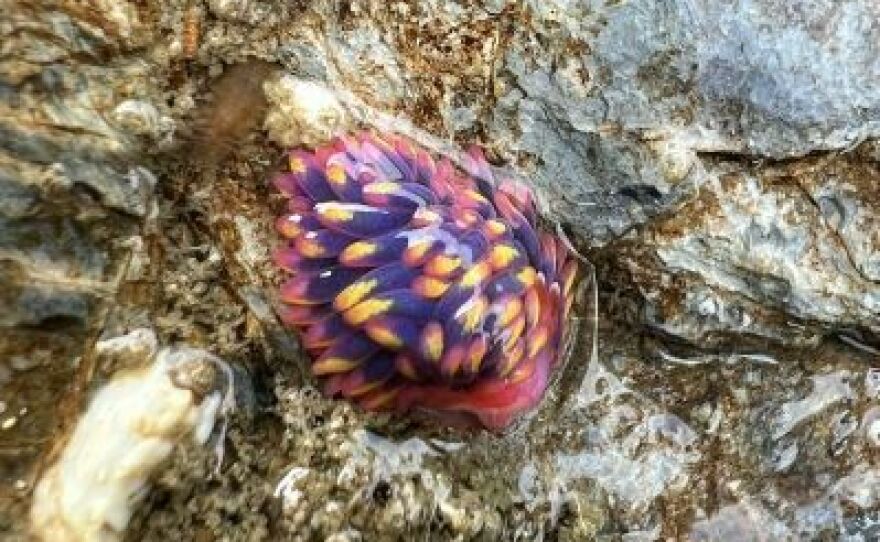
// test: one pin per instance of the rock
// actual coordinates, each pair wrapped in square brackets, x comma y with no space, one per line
[69,197]
[783,253]
[717,161]
[303,113]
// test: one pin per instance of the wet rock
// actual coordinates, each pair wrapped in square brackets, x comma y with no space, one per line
[303,113]
[718,162]
[762,253]
[69,199]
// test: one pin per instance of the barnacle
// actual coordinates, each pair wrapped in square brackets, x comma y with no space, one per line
[416,285]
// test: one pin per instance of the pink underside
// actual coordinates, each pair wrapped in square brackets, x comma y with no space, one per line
[494,402]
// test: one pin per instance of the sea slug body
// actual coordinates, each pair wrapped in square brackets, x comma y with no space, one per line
[415,285]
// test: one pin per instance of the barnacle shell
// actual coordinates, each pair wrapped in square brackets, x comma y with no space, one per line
[416,285]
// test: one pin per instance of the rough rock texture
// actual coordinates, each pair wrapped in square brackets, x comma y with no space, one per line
[718,161]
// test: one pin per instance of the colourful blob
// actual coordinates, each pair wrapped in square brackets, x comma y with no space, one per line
[417,286]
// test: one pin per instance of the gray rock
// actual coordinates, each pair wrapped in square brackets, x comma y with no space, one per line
[68,199]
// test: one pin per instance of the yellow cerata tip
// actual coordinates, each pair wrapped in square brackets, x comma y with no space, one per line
[365,310]
[335,174]
[334,213]
[354,293]
[297,165]
[357,251]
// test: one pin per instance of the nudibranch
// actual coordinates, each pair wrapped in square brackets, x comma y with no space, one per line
[418,285]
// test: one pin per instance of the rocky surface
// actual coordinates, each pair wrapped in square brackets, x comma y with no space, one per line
[718,162]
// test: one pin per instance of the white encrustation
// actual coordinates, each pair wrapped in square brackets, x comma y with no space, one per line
[127,432]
